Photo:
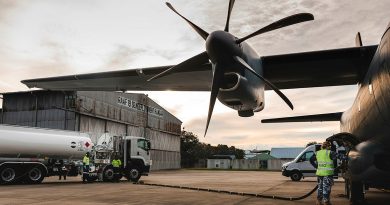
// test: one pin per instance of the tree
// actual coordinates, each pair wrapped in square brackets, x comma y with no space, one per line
[311,143]
[192,150]
[189,144]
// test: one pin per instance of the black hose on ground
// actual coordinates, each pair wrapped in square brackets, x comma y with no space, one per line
[234,193]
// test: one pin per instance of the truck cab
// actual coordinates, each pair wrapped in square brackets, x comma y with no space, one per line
[301,167]
[136,157]
[131,150]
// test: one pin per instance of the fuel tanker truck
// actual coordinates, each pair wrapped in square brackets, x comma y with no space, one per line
[29,154]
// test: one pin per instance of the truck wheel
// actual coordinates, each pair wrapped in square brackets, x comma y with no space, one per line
[35,175]
[296,176]
[7,175]
[108,174]
[92,178]
[134,174]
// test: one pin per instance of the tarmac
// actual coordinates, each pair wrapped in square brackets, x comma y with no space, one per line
[72,191]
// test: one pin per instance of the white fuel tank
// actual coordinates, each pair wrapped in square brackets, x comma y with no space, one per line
[31,142]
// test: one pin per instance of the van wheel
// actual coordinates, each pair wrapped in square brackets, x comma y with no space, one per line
[296,176]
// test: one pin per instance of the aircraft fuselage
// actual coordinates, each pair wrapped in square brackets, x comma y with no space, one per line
[369,120]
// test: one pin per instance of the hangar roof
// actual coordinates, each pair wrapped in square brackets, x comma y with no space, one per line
[286,152]
[263,156]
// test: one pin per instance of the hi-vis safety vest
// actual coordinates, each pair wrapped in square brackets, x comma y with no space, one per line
[116,163]
[325,163]
[86,160]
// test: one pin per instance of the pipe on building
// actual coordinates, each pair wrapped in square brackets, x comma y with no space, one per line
[2,108]
[66,112]
[147,114]
[36,108]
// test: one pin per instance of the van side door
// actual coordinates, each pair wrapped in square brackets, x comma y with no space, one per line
[305,166]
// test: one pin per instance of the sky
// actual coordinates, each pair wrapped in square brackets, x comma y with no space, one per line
[43,38]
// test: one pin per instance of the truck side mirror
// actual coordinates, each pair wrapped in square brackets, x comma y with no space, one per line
[149,145]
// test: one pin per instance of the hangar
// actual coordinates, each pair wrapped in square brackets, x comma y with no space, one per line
[96,113]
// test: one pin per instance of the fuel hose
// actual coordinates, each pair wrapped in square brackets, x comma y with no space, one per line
[232,192]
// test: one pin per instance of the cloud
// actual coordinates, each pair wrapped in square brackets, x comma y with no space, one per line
[50,38]
[6,8]
[228,128]
[122,56]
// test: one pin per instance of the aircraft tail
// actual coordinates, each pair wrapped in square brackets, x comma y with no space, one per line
[307,118]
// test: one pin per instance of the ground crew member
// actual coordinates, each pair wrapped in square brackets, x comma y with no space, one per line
[63,170]
[116,163]
[86,167]
[323,161]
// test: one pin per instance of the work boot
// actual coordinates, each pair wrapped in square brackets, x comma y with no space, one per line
[318,202]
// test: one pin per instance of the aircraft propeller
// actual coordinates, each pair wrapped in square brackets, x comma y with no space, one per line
[218,75]
[231,4]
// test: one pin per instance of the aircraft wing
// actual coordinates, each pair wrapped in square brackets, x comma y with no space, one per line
[193,79]
[307,118]
[346,66]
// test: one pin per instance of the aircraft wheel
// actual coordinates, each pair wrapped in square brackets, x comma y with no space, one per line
[347,189]
[356,195]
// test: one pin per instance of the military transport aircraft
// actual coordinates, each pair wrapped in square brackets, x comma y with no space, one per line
[237,76]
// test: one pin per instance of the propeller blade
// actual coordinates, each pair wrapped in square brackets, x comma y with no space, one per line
[200,31]
[231,3]
[197,60]
[216,83]
[245,65]
[290,20]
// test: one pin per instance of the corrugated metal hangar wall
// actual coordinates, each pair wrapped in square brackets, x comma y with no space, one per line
[99,112]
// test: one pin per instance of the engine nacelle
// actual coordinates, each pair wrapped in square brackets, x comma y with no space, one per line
[240,94]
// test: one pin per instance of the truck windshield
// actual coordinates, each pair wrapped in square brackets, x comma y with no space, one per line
[143,144]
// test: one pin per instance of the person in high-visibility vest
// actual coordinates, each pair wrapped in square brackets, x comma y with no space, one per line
[323,161]
[116,164]
[86,167]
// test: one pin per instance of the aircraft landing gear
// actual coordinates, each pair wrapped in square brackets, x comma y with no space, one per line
[354,190]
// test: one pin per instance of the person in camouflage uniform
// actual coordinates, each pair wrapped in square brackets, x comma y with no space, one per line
[325,184]
[323,162]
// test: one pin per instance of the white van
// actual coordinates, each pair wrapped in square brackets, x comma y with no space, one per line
[301,166]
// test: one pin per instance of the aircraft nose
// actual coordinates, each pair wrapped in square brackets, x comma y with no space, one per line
[221,45]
